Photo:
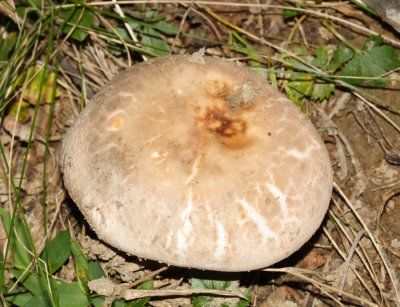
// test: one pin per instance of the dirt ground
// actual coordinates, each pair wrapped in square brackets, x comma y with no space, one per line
[353,259]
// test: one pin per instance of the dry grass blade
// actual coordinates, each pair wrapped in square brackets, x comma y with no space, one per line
[378,111]
[362,254]
[128,28]
[147,277]
[7,7]
[348,260]
[391,273]
[360,278]
[323,287]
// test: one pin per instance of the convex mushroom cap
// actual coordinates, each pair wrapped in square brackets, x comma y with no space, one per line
[197,162]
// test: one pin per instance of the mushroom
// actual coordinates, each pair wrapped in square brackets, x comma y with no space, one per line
[197,162]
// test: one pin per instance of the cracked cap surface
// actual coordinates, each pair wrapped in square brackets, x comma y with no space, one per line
[197,164]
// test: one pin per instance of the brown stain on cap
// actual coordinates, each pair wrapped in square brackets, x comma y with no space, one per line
[228,128]
[222,114]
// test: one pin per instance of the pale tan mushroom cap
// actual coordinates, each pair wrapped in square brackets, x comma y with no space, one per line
[197,163]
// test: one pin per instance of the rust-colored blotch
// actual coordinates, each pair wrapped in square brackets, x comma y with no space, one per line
[115,123]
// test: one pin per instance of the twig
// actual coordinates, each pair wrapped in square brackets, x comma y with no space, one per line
[103,286]
[132,294]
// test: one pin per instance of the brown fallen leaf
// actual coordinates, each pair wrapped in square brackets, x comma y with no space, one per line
[349,11]
[312,261]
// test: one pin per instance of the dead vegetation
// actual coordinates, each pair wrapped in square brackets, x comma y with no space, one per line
[354,259]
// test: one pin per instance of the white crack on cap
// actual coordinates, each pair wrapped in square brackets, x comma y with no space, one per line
[197,164]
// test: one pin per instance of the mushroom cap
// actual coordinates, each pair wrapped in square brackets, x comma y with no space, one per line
[197,162]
